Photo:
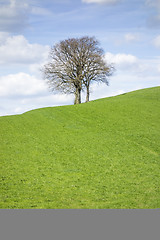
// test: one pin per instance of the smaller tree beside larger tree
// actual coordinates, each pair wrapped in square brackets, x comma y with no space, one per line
[74,64]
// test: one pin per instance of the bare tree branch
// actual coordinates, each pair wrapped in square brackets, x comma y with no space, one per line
[74,64]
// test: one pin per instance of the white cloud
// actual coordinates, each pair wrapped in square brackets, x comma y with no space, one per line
[17,49]
[3,37]
[102,1]
[21,84]
[23,92]
[156,42]
[130,65]
[122,61]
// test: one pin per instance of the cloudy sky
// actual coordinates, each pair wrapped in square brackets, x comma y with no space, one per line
[128,30]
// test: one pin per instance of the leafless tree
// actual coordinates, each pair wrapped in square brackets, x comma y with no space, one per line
[96,68]
[74,64]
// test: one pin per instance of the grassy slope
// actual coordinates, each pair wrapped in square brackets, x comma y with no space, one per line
[103,154]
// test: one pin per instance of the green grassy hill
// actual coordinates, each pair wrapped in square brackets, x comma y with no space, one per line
[101,154]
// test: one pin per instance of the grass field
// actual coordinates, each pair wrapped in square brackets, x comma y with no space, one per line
[101,154]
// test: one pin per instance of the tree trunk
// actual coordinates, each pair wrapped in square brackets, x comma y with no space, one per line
[77,96]
[87,96]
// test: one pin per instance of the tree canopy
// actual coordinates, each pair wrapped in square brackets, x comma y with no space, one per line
[74,64]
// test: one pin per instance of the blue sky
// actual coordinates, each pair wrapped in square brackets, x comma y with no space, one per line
[129,32]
